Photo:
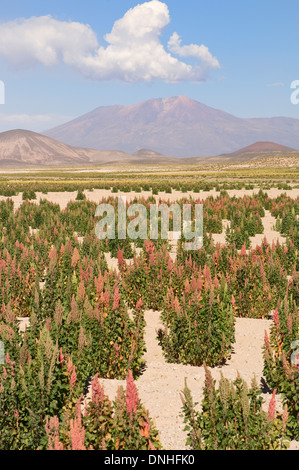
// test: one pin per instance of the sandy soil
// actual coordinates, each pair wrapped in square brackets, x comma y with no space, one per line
[160,384]
[98,194]
[269,233]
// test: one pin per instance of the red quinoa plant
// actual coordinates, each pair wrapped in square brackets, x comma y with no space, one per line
[103,425]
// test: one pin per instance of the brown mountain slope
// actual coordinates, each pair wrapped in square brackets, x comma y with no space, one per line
[22,147]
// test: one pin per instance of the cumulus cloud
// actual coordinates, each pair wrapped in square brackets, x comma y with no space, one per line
[44,40]
[134,51]
[201,52]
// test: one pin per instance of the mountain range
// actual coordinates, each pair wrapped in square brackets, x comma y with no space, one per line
[171,131]
[175,126]
[23,148]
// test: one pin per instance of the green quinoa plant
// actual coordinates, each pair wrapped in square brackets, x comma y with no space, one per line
[231,417]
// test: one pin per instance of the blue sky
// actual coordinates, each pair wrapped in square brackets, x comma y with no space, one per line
[61,59]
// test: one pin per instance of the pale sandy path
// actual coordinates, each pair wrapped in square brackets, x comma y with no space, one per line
[270,233]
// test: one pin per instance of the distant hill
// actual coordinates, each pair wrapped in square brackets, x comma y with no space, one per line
[23,148]
[261,149]
[176,126]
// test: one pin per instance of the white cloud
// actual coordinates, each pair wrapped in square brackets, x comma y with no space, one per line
[44,40]
[134,51]
[201,52]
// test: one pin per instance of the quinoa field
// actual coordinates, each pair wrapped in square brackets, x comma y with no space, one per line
[135,343]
